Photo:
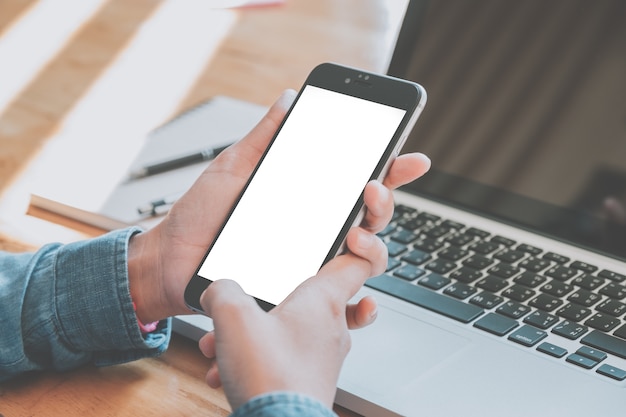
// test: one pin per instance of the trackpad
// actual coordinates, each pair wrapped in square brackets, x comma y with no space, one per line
[396,350]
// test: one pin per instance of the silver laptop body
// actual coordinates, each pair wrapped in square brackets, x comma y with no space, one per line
[506,287]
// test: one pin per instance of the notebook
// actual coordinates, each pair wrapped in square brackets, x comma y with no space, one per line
[115,200]
[505,292]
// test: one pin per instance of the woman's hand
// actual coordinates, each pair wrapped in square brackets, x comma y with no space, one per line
[163,259]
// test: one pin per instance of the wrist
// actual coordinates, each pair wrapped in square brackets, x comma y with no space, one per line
[145,328]
[144,280]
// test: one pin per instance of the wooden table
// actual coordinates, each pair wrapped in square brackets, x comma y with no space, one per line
[264,51]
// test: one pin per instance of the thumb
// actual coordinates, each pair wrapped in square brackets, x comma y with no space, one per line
[225,298]
[255,142]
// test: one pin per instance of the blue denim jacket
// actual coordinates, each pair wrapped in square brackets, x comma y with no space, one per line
[68,305]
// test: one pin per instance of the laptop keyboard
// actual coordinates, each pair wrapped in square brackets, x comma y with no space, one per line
[507,288]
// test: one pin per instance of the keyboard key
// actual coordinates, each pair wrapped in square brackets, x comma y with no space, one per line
[496,324]
[612,307]
[416,257]
[593,354]
[587,281]
[504,270]
[560,259]
[409,272]
[561,273]
[573,312]
[411,223]
[605,342]
[392,263]
[533,250]
[556,288]
[452,224]
[535,264]
[436,231]
[570,330]
[552,350]
[530,279]
[460,290]
[509,255]
[621,332]
[452,253]
[503,240]
[518,293]
[528,336]
[431,218]
[614,291]
[583,266]
[428,245]
[484,248]
[466,275]
[387,230]
[441,266]
[545,302]
[434,281]
[394,248]
[584,298]
[602,322]
[425,298]
[478,262]
[486,300]
[459,239]
[614,276]
[612,372]
[581,361]
[477,232]
[513,309]
[492,283]
[541,319]
[402,209]
[404,236]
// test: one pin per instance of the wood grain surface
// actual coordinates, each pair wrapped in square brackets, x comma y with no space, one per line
[263,51]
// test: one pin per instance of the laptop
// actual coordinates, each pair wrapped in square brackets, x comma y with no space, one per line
[505,292]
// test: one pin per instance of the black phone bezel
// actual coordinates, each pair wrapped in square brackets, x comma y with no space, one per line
[366,85]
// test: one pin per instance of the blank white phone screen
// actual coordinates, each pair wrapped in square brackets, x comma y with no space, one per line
[287,220]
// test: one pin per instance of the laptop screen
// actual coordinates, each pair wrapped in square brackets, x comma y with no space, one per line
[526,113]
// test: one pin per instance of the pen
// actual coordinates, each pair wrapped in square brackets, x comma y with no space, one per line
[158,206]
[179,162]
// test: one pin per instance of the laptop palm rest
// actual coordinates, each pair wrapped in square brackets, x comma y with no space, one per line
[398,337]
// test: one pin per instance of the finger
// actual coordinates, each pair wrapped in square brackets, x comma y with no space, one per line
[255,142]
[207,345]
[379,206]
[225,298]
[212,377]
[362,313]
[343,276]
[406,168]
[369,247]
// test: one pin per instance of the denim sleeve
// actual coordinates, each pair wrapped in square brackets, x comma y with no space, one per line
[283,404]
[67,305]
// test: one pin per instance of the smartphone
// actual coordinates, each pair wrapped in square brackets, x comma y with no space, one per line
[344,129]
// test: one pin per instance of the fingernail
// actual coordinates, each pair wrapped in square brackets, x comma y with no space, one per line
[373,314]
[426,159]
